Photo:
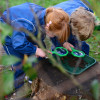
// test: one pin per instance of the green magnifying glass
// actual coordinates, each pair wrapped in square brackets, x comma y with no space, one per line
[77,53]
[60,51]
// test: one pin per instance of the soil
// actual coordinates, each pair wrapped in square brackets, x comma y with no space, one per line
[74,61]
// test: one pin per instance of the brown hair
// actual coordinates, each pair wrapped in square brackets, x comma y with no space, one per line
[82,23]
[60,23]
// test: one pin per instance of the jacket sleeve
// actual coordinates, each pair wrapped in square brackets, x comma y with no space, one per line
[19,39]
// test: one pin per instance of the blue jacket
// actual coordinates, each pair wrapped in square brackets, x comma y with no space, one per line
[22,16]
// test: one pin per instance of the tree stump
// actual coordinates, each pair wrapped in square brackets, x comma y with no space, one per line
[53,85]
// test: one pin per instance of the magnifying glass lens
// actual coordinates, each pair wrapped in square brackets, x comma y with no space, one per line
[61,51]
[77,53]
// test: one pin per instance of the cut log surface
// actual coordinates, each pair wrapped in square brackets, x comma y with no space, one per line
[54,78]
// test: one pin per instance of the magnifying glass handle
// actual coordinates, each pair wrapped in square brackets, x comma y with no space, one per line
[53,52]
[72,48]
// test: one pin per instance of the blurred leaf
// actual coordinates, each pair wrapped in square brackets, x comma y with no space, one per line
[9,60]
[31,72]
[5,30]
[95,89]
[73,98]
[94,37]
[27,66]
[32,59]
[8,81]
[3,39]
[25,59]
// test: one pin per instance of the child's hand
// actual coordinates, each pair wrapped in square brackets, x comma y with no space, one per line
[68,46]
[40,53]
[49,51]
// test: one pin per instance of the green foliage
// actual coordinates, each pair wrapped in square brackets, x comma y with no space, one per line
[5,30]
[95,87]
[94,43]
[73,98]
[8,81]
[98,26]
[27,66]
[32,59]
[30,71]
[9,60]
[95,5]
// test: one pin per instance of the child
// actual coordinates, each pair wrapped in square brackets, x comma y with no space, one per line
[56,23]
[82,22]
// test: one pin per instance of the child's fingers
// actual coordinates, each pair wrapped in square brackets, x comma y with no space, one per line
[49,51]
[71,45]
[37,56]
[69,49]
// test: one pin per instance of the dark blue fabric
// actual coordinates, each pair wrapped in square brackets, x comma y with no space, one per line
[19,79]
[11,51]
[55,42]
[85,48]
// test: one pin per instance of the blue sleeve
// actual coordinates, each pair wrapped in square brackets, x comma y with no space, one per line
[85,47]
[21,44]
[19,39]
[3,16]
[88,4]
[1,20]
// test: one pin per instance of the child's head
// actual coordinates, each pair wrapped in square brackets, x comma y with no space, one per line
[57,23]
[82,23]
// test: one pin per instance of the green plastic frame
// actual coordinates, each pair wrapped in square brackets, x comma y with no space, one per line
[73,50]
[54,52]
[77,70]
